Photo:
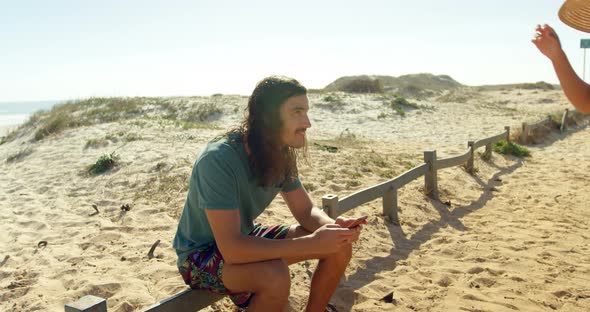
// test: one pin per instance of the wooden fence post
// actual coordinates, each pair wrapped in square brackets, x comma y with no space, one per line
[507,128]
[524,134]
[430,179]
[330,205]
[470,160]
[390,205]
[87,303]
[564,120]
[488,153]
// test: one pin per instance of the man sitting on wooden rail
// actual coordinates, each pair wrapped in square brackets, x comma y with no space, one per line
[575,13]
[233,180]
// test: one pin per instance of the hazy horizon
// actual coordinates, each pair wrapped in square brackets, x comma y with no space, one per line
[71,50]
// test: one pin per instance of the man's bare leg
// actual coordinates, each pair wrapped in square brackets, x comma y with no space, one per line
[327,274]
[269,280]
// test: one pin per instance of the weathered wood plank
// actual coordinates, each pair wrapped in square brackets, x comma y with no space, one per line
[187,301]
[390,206]
[453,161]
[87,303]
[564,121]
[374,192]
[490,140]
[430,177]
[470,161]
[330,205]
[507,128]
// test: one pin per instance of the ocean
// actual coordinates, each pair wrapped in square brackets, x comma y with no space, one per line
[12,114]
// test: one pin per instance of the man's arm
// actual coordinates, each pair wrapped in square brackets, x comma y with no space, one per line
[310,217]
[576,90]
[239,248]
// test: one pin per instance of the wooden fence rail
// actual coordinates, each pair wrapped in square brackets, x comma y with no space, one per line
[388,189]
[567,117]
[454,161]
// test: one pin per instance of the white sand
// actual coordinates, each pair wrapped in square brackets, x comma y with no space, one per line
[5,129]
[515,236]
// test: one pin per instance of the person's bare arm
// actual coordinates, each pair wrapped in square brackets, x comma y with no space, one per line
[311,217]
[239,248]
[576,90]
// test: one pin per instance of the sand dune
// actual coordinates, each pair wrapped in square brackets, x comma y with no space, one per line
[514,236]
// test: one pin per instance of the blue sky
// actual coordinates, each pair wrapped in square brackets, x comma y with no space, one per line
[76,49]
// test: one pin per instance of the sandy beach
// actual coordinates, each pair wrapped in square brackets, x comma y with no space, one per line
[5,129]
[512,237]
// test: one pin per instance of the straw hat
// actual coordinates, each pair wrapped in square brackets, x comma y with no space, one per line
[576,13]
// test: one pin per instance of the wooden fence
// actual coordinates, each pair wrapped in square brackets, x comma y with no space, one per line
[388,190]
[193,300]
[528,130]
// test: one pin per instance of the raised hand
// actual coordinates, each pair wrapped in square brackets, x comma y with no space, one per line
[547,41]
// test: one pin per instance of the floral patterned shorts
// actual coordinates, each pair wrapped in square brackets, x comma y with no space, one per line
[202,268]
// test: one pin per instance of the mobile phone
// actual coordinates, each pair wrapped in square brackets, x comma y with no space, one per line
[358,221]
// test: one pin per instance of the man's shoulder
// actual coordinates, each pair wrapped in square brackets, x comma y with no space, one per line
[227,147]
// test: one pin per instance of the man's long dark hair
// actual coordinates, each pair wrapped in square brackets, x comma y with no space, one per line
[270,161]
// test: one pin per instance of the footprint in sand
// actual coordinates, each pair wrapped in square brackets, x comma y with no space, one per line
[562,293]
[475,270]
[105,290]
[482,281]
[445,281]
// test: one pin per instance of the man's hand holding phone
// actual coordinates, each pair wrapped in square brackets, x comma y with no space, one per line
[351,222]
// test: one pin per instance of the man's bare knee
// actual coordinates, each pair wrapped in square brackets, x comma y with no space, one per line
[342,256]
[276,279]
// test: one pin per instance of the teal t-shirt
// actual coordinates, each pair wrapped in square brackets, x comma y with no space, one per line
[222,179]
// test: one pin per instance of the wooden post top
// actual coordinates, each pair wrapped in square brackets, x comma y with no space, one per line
[329,196]
[87,303]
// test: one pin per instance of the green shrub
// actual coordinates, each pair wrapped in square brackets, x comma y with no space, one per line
[397,103]
[327,148]
[415,91]
[19,155]
[94,143]
[203,112]
[330,102]
[542,85]
[104,163]
[363,85]
[55,125]
[133,137]
[331,98]
[197,125]
[352,183]
[509,148]
[374,159]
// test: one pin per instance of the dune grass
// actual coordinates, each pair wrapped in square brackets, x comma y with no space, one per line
[19,155]
[509,148]
[73,114]
[104,163]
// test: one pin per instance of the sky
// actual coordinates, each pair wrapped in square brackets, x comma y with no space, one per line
[58,50]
